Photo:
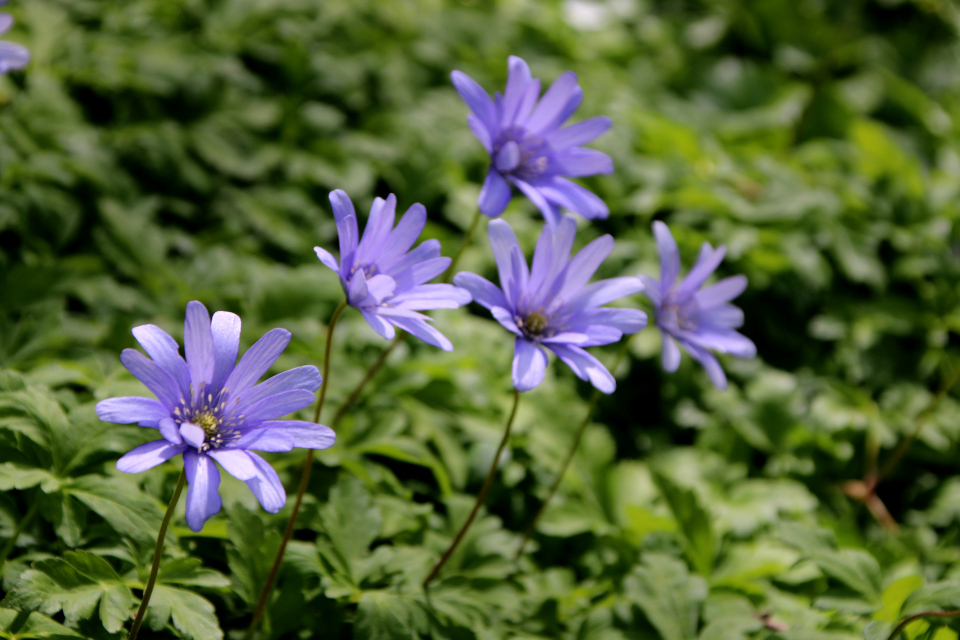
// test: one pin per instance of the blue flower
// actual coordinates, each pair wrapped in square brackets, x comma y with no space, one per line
[12,56]
[527,147]
[698,319]
[552,306]
[382,280]
[209,408]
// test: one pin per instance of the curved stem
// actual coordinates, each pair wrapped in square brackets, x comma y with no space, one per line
[24,522]
[923,614]
[483,493]
[304,481]
[569,457]
[157,553]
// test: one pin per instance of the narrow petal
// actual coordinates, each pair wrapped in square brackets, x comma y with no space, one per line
[604,291]
[432,296]
[503,242]
[266,438]
[670,355]
[236,462]
[707,262]
[579,133]
[625,320]
[146,412]
[347,231]
[198,346]
[551,257]
[669,255]
[574,197]
[721,292]
[579,162]
[421,273]
[402,237]
[518,80]
[257,360]
[476,98]
[427,251]
[520,272]
[305,435]
[587,336]
[726,315]
[158,381]
[506,319]
[483,291]
[651,289]
[723,340]
[551,213]
[379,226]
[266,486]
[203,499]
[225,330]
[554,104]
[380,286]
[305,377]
[147,456]
[165,352]
[192,434]
[357,293]
[495,194]
[378,324]
[585,264]
[585,366]
[6,20]
[327,259]
[480,131]
[275,406]
[170,431]
[529,364]
[508,157]
[710,365]
[528,102]
[422,329]
[13,56]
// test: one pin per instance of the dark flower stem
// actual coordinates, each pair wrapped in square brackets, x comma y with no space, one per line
[566,461]
[480,496]
[923,614]
[402,335]
[157,553]
[24,522]
[304,480]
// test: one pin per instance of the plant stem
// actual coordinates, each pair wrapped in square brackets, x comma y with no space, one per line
[923,614]
[24,522]
[157,553]
[402,335]
[569,458]
[483,493]
[304,480]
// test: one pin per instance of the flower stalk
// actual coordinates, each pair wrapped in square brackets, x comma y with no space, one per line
[304,481]
[480,497]
[158,552]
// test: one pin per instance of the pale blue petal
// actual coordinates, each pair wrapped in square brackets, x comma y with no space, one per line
[554,104]
[495,194]
[198,346]
[506,319]
[257,360]
[305,377]
[327,259]
[574,197]
[585,366]
[579,133]
[225,330]
[707,262]
[579,162]
[551,213]
[165,352]
[508,157]
[347,231]
[721,292]
[483,291]
[147,456]
[378,324]
[669,255]
[379,226]
[158,381]
[275,406]
[529,365]
[305,435]
[476,98]
[266,486]
[402,237]
[670,355]
[203,500]
[170,431]
[146,412]
[236,462]
[192,434]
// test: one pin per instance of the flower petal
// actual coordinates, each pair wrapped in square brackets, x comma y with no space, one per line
[551,255]
[192,434]
[146,412]
[420,328]
[327,259]
[170,431]
[625,320]
[651,289]
[579,162]
[266,486]
[710,365]
[722,340]
[721,292]
[272,407]
[707,262]
[147,456]
[583,265]
[506,318]
[585,366]
[403,236]
[574,197]
[483,291]
[378,324]
[726,315]
[236,462]
[305,377]
[604,291]
[267,438]
[508,157]
[518,81]
[256,361]
[305,435]
[503,242]
[225,330]
[347,231]
[495,194]
[379,226]
[432,296]
[357,292]
[165,352]
[13,56]
[669,255]
[480,131]
[198,346]
[158,381]
[555,104]
[529,364]
[550,211]
[476,98]
[579,133]
[670,354]
[203,500]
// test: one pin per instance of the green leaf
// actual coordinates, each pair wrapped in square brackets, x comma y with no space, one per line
[15,476]
[694,522]
[387,616]
[193,615]
[351,522]
[855,568]
[190,571]
[668,595]
[75,584]
[251,554]
[22,625]
[894,597]
[939,595]
[118,501]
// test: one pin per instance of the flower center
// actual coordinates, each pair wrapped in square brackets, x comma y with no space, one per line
[208,422]
[687,313]
[533,160]
[218,429]
[533,325]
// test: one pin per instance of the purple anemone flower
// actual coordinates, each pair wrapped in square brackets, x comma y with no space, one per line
[527,147]
[381,279]
[698,319]
[552,306]
[12,56]
[209,408]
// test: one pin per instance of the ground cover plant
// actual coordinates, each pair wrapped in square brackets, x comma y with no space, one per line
[166,161]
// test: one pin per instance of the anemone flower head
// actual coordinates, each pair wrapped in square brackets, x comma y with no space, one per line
[209,408]
[12,56]
[529,149]
[551,305]
[381,279]
[697,319]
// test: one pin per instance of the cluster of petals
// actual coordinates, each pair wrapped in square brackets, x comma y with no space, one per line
[529,149]
[552,305]
[381,279]
[12,56]
[697,319]
[209,408]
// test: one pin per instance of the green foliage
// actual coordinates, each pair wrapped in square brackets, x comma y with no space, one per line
[160,151]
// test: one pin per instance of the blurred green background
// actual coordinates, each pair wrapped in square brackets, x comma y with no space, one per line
[160,151]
